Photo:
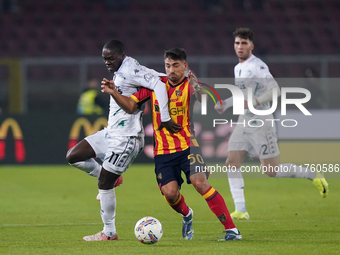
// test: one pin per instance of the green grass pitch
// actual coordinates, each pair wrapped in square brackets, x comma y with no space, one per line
[48,209]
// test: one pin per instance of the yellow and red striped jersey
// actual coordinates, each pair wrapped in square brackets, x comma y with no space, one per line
[181,101]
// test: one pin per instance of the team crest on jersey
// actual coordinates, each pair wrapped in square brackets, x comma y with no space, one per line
[148,77]
[178,92]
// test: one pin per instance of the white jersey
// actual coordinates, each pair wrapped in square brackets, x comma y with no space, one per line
[128,78]
[254,73]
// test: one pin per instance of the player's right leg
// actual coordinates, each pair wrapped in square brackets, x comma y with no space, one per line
[169,179]
[236,183]
[120,155]
[83,153]
[176,200]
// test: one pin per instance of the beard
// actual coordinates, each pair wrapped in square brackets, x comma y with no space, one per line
[174,79]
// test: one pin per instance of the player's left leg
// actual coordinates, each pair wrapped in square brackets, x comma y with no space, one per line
[196,171]
[289,170]
[168,174]
[81,156]
[265,144]
[216,204]
[83,153]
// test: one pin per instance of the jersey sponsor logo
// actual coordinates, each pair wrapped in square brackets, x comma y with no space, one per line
[177,110]
[136,71]
[19,146]
[89,129]
[159,176]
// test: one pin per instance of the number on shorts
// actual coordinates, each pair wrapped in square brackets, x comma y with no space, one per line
[265,152]
[197,157]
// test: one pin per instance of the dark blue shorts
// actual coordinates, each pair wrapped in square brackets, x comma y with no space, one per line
[169,167]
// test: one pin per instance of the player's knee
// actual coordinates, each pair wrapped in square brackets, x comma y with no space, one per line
[232,164]
[200,184]
[171,195]
[70,156]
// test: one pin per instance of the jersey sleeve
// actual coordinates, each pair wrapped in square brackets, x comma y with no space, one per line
[141,95]
[147,78]
[266,78]
[142,76]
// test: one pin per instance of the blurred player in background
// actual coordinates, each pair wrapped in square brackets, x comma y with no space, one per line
[90,102]
[253,72]
[180,151]
[123,139]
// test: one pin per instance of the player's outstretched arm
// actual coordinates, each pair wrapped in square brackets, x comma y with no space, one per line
[227,103]
[126,103]
[194,83]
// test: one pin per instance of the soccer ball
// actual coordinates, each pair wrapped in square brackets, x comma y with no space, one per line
[148,230]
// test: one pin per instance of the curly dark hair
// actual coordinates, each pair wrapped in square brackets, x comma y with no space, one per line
[244,33]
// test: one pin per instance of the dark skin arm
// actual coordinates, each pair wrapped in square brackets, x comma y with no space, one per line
[129,105]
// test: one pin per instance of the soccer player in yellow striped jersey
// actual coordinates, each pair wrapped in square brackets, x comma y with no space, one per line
[178,152]
[181,101]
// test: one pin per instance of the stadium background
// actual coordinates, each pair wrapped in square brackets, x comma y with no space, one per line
[49,49]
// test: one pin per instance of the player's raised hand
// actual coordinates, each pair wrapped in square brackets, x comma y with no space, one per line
[171,126]
[108,86]
[219,108]
[192,79]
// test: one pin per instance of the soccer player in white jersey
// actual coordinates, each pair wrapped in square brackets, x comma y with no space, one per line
[253,72]
[123,139]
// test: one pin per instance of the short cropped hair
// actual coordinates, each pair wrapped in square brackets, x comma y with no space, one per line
[115,45]
[176,54]
[244,33]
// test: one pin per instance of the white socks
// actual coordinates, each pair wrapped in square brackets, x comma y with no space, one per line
[108,211]
[289,170]
[236,184]
[90,166]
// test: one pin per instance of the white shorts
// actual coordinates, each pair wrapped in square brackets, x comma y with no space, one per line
[117,153]
[262,142]
[99,143]
[122,152]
